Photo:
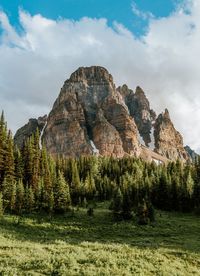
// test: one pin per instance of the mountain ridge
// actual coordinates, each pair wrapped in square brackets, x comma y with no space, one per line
[90,112]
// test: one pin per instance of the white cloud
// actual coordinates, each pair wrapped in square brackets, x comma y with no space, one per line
[165,62]
[141,14]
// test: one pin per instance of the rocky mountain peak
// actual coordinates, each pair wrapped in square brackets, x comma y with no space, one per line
[25,132]
[168,141]
[90,116]
[166,115]
[193,155]
[139,108]
[93,74]
[139,92]
[90,112]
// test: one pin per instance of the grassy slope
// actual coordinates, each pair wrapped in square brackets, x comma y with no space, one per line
[81,245]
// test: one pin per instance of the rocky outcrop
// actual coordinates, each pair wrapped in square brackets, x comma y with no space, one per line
[27,130]
[140,110]
[168,141]
[192,154]
[90,111]
[90,116]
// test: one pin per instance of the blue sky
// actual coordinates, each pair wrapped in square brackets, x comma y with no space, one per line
[112,10]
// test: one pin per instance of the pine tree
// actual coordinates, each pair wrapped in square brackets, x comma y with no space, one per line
[143,216]
[126,206]
[89,187]
[162,197]
[30,199]
[117,203]
[8,192]
[20,193]
[75,184]
[62,199]
[9,166]
[28,155]
[3,136]
[1,205]
[196,190]
[13,198]
[47,180]
[36,161]
[174,193]
[51,203]
[19,169]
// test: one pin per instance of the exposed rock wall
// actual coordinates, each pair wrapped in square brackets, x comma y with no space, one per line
[90,116]
[168,141]
[25,132]
[140,110]
[90,108]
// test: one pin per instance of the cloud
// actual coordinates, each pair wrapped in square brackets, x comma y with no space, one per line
[141,14]
[37,60]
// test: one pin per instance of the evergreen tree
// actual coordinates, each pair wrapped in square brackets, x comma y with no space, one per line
[13,198]
[162,192]
[19,170]
[126,206]
[30,199]
[117,203]
[62,199]
[8,192]
[47,180]
[9,165]
[1,205]
[3,136]
[143,216]
[89,187]
[75,184]
[20,194]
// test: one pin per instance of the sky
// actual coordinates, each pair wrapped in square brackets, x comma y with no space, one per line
[153,44]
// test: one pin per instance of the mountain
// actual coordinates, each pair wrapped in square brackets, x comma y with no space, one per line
[25,132]
[92,116]
[139,108]
[193,155]
[168,141]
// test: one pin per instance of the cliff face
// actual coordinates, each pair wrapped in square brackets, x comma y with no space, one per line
[91,114]
[192,154]
[168,141]
[25,132]
[140,110]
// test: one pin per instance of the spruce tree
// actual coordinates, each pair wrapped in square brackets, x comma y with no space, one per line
[13,198]
[62,199]
[29,199]
[20,194]
[117,203]
[75,184]
[89,187]
[3,137]
[9,166]
[1,205]
[143,216]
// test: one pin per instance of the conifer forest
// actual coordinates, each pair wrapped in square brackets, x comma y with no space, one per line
[33,181]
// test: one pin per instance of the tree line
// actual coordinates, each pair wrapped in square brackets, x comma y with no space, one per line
[32,181]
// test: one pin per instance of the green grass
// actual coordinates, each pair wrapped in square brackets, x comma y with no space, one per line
[82,245]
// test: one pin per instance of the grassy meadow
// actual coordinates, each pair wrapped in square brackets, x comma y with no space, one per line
[76,244]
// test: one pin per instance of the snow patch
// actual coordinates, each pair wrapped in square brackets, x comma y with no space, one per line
[95,150]
[158,162]
[151,145]
[41,134]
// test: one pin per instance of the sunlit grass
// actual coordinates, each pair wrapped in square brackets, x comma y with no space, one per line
[81,245]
